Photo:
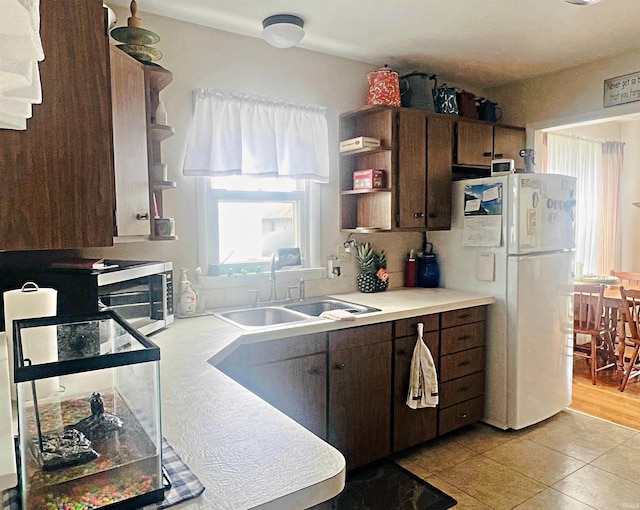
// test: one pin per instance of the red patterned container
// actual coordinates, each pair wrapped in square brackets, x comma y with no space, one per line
[384,87]
[369,179]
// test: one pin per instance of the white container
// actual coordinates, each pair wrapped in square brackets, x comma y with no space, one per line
[161,114]
[359,142]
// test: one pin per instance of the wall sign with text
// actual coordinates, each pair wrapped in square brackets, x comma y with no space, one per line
[622,89]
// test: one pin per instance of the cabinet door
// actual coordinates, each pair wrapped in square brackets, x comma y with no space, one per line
[439,161]
[130,145]
[474,143]
[508,142]
[412,168]
[359,402]
[411,426]
[297,387]
[57,176]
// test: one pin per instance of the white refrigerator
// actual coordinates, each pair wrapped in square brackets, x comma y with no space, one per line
[513,237]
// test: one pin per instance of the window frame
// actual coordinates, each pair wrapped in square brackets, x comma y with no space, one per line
[207,199]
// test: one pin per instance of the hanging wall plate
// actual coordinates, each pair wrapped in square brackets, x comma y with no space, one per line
[135,35]
[140,52]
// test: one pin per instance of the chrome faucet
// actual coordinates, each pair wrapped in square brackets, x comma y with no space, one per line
[273,293]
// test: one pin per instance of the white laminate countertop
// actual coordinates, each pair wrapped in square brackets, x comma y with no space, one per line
[247,453]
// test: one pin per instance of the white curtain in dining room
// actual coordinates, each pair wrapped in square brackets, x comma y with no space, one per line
[610,228]
[582,159]
[241,134]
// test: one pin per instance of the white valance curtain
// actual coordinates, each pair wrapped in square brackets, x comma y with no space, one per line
[240,134]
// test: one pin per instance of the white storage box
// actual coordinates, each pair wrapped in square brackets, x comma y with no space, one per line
[359,142]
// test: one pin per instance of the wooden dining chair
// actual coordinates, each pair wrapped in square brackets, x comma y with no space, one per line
[592,318]
[626,277]
[624,335]
[631,310]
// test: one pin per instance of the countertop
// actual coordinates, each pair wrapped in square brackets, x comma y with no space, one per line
[247,453]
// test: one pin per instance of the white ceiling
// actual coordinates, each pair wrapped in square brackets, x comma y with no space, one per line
[484,43]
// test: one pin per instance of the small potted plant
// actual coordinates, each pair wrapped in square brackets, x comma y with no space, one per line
[372,267]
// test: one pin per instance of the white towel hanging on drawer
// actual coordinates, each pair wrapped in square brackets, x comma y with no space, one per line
[423,379]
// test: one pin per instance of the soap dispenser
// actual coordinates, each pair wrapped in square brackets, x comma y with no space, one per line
[187,297]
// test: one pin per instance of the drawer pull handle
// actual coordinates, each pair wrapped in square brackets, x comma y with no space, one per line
[315,370]
[486,154]
[418,214]
[464,337]
[463,388]
[464,316]
[464,363]
[401,353]
[338,366]
[463,415]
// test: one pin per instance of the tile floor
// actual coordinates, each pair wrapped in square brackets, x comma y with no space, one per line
[569,462]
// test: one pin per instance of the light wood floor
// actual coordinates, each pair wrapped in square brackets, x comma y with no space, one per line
[604,400]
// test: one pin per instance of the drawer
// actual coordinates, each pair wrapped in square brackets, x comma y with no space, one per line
[462,363]
[459,390]
[462,338]
[408,327]
[363,335]
[459,415]
[463,316]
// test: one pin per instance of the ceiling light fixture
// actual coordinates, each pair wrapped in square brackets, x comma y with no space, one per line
[283,30]
[582,2]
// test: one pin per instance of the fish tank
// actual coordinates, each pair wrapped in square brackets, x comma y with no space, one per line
[89,418]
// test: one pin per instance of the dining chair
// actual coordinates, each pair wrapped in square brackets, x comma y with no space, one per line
[631,309]
[624,335]
[626,277]
[592,318]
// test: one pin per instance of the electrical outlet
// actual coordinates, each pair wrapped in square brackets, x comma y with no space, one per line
[342,252]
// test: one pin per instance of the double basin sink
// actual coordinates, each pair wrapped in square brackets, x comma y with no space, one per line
[302,311]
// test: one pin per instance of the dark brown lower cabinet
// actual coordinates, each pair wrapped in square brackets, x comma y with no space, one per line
[289,373]
[360,393]
[297,387]
[411,426]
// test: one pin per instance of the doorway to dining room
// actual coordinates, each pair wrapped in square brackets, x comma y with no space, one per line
[604,400]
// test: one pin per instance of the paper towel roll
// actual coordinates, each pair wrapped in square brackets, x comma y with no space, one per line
[41,344]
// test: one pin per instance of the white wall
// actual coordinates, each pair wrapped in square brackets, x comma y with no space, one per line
[199,56]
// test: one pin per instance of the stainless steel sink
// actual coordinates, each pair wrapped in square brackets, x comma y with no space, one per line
[315,307]
[262,317]
[286,313]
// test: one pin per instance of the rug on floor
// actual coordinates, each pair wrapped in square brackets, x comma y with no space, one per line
[386,485]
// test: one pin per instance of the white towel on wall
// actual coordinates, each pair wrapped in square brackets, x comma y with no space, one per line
[20,51]
[423,379]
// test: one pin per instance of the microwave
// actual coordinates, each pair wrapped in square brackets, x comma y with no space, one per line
[141,292]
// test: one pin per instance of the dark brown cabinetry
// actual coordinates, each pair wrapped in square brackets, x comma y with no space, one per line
[360,392]
[477,143]
[290,374]
[57,176]
[129,144]
[462,364]
[350,386]
[416,154]
[412,426]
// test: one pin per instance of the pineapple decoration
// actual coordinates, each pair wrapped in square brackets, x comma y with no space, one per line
[372,266]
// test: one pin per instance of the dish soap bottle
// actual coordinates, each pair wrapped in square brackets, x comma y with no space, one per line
[188,300]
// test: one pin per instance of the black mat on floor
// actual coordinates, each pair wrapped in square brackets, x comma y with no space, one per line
[386,486]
